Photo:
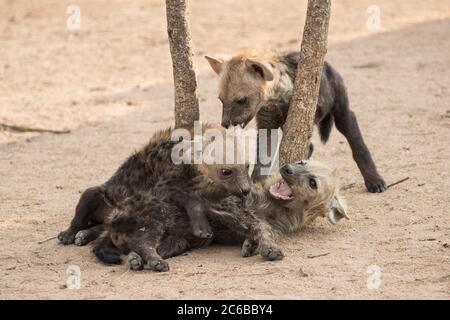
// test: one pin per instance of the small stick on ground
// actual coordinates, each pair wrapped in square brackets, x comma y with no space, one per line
[400,181]
[312,256]
[348,186]
[27,129]
[43,241]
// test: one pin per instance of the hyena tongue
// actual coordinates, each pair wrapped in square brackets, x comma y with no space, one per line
[281,190]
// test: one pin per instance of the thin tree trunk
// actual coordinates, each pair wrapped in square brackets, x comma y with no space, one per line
[297,130]
[186,100]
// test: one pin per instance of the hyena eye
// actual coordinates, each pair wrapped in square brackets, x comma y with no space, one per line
[226,172]
[242,101]
[312,183]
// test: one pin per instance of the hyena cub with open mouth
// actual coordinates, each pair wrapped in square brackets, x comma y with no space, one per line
[297,195]
[139,174]
[152,227]
[260,85]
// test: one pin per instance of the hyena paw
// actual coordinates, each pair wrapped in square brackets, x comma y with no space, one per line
[66,237]
[248,248]
[271,253]
[202,230]
[158,265]
[376,185]
[82,238]
[135,262]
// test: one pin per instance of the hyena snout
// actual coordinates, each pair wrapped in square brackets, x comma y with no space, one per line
[236,116]
[225,122]
[287,169]
[246,190]
[244,187]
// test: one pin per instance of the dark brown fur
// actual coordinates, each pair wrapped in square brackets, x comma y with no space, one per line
[260,85]
[139,174]
[151,229]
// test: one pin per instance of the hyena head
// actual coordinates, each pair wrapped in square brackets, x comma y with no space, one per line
[312,187]
[245,84]
[222,162]
[234,179]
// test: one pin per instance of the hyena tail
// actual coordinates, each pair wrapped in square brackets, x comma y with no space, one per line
[105,250]
[325,127]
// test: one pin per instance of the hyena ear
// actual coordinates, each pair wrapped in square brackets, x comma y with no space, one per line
[263,68]
[215,63]
[337,210]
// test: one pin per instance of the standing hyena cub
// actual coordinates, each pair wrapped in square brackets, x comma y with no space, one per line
[261,85]
[140,173]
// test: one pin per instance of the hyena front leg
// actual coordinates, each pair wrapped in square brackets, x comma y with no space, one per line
[258,233]
[135,261]
[265,238]
[85,236]
[196,211]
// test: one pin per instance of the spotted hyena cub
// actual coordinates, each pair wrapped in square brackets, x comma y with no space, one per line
[151,229]
[299,194]
[140,173]
[260,85]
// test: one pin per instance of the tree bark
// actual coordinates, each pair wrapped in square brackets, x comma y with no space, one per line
[186,99]
[297,130]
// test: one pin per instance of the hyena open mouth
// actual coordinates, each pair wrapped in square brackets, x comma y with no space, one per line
[281,191]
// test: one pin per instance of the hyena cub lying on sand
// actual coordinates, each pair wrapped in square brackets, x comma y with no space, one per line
[260,84]
[151,229]
[144,170]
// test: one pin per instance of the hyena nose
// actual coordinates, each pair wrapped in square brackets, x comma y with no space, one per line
[246,191]
[287,169]
[225,123]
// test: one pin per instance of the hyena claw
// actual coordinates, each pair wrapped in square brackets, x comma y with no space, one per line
[135,262]
[81,238]
[248,248]
[158,265]
[66,237]
[271,253]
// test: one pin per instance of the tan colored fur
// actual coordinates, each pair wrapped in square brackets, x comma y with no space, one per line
[307,204]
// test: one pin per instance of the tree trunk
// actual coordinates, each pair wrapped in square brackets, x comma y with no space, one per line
[186,100]
[297,130]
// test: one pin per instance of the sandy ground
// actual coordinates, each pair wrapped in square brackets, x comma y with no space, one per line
[110,84]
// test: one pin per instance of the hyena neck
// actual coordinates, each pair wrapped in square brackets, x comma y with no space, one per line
[283,220]
[280,93]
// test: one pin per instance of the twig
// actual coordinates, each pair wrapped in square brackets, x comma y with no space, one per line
[311,256]
[395,183]
[348,186]
[43,241]
[27,129]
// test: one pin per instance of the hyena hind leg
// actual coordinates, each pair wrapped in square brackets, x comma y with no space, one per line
[90,201]
[146,244]
[249,248]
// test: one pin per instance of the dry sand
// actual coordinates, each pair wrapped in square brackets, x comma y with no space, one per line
[110,84]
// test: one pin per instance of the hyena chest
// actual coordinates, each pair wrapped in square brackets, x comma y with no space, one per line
[286,223]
